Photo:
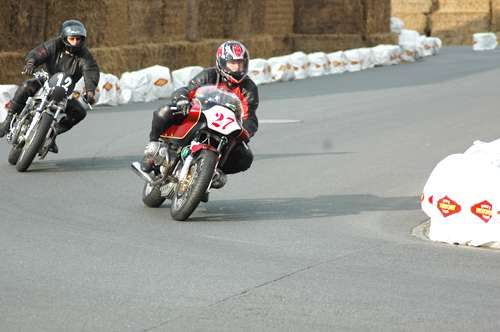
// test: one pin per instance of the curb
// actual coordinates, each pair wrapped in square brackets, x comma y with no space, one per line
[422,232]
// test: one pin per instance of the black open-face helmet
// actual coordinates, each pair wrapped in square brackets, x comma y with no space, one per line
[232,51]
[73,28]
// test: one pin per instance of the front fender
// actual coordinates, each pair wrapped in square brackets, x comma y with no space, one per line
[198,147]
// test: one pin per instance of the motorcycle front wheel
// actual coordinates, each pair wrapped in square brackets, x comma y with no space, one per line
[34,143]
[192,188]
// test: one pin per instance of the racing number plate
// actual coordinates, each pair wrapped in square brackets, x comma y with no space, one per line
[222,120]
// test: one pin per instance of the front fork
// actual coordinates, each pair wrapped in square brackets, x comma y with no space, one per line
[195,147]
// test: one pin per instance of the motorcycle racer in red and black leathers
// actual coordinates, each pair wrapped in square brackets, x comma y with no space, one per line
[67,53]
[231,70]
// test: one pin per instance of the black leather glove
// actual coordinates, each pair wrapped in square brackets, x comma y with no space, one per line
[29,68]
[90,96]
[183,105]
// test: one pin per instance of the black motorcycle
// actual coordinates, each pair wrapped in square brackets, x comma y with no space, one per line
[31,131]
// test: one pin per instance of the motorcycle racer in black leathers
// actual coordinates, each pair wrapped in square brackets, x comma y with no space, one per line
[66,53]
[231,70]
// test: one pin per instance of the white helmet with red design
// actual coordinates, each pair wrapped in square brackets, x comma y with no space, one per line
[232,51]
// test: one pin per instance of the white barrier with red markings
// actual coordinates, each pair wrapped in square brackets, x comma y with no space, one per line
[6,94]
[462,199]
[259,70]
[301,65]
[181,77]
[281,69]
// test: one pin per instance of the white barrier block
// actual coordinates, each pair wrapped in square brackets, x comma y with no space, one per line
[430,47]
[439,43]
[160,83]
[396,25]
[484,41]
[301,65]
[259,70]
[337,62]
[108,90]
[409,43]
[354,58]
[395,54]
[382,55]
[7,92]
[134,87]
[181,77]
[368,58]
[462,199]
[319,64]
[281,69]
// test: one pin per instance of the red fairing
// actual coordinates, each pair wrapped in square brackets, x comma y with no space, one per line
[242,137]
[188,123]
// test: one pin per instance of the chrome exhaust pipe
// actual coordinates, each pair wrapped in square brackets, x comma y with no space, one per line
[136,167]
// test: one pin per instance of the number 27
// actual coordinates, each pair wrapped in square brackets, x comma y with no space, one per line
[219,122]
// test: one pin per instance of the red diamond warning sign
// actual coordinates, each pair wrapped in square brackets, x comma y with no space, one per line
[448,207]
[483,210]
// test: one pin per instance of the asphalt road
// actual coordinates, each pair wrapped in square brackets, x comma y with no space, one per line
[316,236]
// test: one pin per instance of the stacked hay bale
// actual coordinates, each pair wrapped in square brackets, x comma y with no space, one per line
[329,26]
[453,21]
[129,35]
[457,20]
[415,14]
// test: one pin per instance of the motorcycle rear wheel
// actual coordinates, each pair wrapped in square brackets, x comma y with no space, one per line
[151,196]
[34,143]
[14,154]
[190,190]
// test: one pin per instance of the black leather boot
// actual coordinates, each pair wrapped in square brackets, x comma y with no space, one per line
[15,108]
[58,130]
[5,125]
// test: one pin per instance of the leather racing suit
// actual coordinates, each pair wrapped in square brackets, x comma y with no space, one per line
[241,156]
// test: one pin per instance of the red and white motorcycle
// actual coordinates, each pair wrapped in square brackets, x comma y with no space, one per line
[187,156]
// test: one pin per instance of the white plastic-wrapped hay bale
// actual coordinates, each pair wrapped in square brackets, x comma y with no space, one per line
[354,58]
[397,25]
[338,62]
[182,76]
[134,87]
[432,46]
[461,197]
[395,54]
[319,64]
[107,92]
[382,55]
[281,69]
[160,83]
[484,41]
[368,58]
[259,71]
[7,92]
[410,45]
[301,65]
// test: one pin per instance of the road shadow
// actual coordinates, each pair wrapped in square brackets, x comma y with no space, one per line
[83,164]
[299,208]
[124,162]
